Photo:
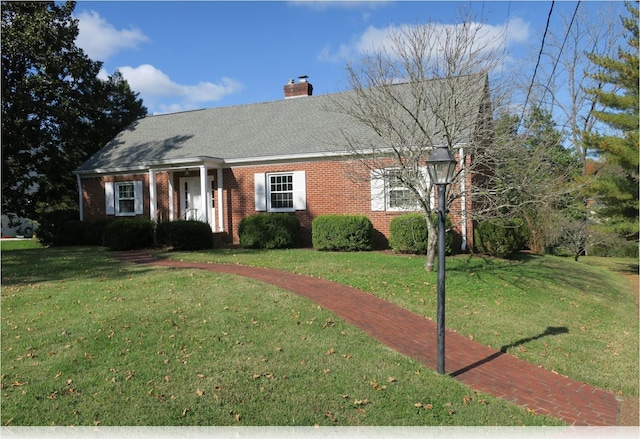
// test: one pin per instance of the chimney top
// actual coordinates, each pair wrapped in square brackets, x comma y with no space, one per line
[295,90]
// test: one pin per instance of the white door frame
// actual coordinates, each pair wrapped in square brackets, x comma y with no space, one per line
[194,184]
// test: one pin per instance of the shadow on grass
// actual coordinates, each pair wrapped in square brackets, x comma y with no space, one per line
[63,263]
[551,330]
[526,270]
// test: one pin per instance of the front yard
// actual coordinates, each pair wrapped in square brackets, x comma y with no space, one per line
[87,340]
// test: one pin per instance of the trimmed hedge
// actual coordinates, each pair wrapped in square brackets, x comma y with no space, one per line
[129,234]
[69,233]
[269,230]
[408,233]
[500,238]
[51,222]
[342,233]
[185,235]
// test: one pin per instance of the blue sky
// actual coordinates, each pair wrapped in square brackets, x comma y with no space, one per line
[185,55]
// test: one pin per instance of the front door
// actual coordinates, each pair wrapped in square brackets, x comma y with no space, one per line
[191,200]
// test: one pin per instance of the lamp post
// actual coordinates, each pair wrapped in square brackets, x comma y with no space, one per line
[441,166]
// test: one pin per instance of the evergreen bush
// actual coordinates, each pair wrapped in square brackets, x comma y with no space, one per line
[500,238]
[269,231]
[129,234]
[69,233]
[185,235]
[342,233]
[50,222]
[408,233]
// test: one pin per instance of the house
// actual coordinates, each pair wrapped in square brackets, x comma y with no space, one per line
[220,165]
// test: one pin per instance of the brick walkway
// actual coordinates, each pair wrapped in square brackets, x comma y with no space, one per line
[469,362]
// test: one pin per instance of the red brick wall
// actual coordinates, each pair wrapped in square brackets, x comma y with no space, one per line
[333,187]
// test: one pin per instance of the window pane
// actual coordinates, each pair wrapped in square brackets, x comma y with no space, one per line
[125,190]
[126,206]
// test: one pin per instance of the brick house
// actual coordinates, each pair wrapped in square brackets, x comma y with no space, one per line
[220,165]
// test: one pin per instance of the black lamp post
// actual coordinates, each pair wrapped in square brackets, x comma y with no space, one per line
[441,166]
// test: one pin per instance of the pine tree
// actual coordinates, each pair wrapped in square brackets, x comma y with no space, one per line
[617,185]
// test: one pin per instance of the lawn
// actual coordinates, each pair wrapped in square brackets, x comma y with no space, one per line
[87,340]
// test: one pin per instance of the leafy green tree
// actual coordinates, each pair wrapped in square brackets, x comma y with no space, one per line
[617,185]
[56,112]
[532,176]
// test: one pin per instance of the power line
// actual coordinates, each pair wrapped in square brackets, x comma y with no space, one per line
[555,64]
[535,70]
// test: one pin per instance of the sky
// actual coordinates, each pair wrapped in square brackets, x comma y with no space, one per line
[185,55]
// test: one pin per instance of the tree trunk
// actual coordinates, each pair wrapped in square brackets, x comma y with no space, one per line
[432,241]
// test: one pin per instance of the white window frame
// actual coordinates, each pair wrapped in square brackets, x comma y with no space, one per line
[263,191]
[112,198]
[381,190]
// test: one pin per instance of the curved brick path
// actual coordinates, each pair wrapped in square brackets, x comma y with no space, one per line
[471,363]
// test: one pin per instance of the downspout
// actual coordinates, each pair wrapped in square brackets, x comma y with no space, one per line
[463,200]
[80,197]
[220,201]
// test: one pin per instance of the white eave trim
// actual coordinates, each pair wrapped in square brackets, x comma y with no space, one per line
[162,165]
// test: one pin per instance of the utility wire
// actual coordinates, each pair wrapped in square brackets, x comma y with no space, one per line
[555,64]
[535,70]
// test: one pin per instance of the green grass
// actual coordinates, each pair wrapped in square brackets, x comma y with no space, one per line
[578,319]
[87,340]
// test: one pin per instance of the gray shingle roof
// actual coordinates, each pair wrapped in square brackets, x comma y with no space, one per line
[288,127]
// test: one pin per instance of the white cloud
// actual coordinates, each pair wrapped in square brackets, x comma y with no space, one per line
[374,38]
[154,86]
[100,39]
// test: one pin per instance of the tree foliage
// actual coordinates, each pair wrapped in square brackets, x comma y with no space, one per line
[617,185]
[531,175]
[56,112]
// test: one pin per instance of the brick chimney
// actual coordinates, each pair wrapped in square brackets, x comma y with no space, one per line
[299,89]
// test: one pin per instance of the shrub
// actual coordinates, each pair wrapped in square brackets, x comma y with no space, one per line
[185,235]
[69,233]
[128,234]
[408,233]
[94,231]
[269,230]
[342,233]
[51,221]
[499,238]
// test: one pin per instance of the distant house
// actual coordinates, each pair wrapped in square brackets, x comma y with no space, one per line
[220,165]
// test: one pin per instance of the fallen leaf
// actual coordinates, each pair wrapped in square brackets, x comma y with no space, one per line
[391,380]
[199,392]
[330,351]
[466,400]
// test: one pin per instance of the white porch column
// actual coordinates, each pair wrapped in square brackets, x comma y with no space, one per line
[81,197]
[153,199]
[172,215]
[205,190]
[220,202]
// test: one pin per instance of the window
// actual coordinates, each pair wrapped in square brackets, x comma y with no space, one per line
[398,196]
[388,193]
[280,191]
[126,199]
[123,198]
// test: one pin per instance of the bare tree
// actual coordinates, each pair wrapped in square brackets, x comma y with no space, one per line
[426,88]
[566,79]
